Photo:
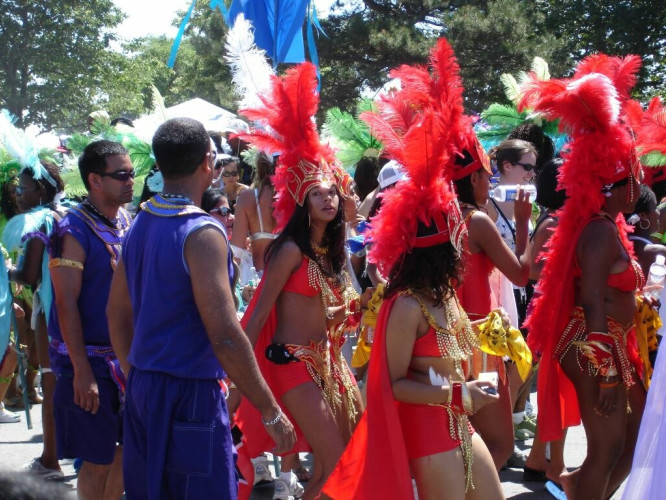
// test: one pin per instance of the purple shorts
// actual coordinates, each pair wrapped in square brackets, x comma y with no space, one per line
[79,433]
[177,441]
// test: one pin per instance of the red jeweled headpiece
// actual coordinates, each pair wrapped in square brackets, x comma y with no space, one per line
[290,131]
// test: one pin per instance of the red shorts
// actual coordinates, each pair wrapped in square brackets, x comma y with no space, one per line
[283,378]
[425,429]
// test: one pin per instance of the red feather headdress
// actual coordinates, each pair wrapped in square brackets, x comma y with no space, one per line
[649,129]
[422,127]
[601,152]
[290,131]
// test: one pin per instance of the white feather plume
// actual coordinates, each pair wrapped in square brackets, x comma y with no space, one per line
[250,70]
[18,144]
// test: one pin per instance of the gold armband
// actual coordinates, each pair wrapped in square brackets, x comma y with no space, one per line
[65,263]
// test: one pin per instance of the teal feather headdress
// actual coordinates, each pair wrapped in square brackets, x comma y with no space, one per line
[22,148]
[498,120]
[350,136]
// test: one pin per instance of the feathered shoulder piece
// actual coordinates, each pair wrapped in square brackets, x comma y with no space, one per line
[24,224]
[350,136]
[421,125]
[289,130]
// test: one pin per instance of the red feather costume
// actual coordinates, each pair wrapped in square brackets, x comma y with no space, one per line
[422,126]
[289,130]
[601,152]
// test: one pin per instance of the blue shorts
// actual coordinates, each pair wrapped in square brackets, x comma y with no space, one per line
[177,441]
[79,433]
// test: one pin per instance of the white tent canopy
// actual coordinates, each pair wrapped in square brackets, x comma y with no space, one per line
[213,117]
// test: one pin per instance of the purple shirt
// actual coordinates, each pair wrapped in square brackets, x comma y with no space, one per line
[169,335]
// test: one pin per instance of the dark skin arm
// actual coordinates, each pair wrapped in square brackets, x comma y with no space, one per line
[483,235]
[541,237]
[597,250]
[31,272]
[212,294]
[67,286]
[241,223]
[121,317]
[283,264]
[406,323]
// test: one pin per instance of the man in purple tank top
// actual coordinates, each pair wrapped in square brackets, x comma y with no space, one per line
[173,325]
[89,384]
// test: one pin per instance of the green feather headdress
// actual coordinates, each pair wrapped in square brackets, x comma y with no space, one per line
[350,136]
[498,120]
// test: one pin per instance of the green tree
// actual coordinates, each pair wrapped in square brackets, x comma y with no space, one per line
[615,27]
[52,55]
[366,38]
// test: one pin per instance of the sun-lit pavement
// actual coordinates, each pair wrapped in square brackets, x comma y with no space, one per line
[18,445]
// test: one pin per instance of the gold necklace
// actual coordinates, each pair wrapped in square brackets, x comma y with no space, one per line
[320,251]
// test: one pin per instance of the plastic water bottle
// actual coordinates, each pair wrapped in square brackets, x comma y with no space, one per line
[656,276]
[510,192]
[254,277]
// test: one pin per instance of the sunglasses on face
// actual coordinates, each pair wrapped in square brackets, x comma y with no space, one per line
[119,175]
[526,166]
[230,174]
[223,211]
[20,189]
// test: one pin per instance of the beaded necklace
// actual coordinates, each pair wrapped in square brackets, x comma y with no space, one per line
[458,341]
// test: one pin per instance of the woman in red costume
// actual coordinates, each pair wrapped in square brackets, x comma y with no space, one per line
[419,397]
[305,303]
[486,250]
[583,321]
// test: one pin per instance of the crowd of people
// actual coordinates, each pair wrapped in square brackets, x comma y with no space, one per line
[393,320]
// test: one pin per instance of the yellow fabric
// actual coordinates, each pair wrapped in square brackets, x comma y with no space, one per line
[647,323]
[497,340]
[374,304]
[361,354]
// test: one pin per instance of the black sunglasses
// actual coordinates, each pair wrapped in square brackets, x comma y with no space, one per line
[526,166]
[223,211]
[230,174]
[119,175]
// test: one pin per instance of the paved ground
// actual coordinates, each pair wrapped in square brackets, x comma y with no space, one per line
[18,445]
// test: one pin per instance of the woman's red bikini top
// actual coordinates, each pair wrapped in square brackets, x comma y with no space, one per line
[629,280]
[300,283]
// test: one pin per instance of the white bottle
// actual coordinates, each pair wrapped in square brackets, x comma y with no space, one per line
[656,276]
[505,192]
[254,277]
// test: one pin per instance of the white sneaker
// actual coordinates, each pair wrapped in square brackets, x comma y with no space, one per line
[262,473]
[287,490]
[8,417]
[36,468]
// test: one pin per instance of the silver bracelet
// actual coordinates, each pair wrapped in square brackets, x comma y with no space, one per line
[275,420]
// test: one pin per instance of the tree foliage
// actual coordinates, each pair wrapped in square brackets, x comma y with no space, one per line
[53,53]
[366,38]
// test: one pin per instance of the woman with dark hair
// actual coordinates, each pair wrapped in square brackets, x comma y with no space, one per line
[516,163]
[37,193]
[582,324]
[420,394]
[230,175]
[487,250]
[305,303]
[215,202]
[645,219]
[533,133]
